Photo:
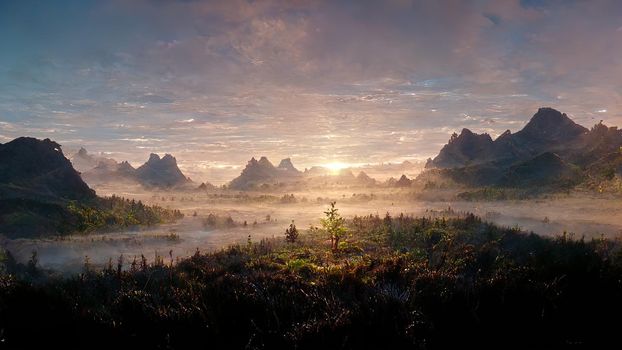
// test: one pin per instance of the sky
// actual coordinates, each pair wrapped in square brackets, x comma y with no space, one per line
[354,82]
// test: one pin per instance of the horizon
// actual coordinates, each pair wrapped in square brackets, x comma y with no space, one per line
[333,168]
[321,82]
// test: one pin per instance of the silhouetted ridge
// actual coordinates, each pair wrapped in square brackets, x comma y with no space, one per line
[547,131]
[161,172]
[38,168]
[263,172]
[286,164]
[551,150]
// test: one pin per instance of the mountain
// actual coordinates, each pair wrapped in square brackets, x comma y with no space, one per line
[403,182]
[122,172]
[262,171]
[544,169]
[206,186]
[84,161]
[287,166]
[37,183]
[463,150]
[161,172]
[551,150]
[548,131]
[365,180]
[41,193]
[156,172]
[32,168]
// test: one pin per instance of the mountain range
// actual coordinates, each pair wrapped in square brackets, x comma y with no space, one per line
[37,169]
[551,150]
[262,171]
[155,173]
[262,174]
[41,193]
[83,160]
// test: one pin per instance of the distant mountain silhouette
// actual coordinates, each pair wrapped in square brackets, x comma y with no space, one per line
[110,173]
[550,150]
[156,172]
[206,186]
[84,161]
[41,193]
[365,180]
[548,131]
[161,172]
[286,165]
[403,182]
[36,184]
[258,172]
[32,168]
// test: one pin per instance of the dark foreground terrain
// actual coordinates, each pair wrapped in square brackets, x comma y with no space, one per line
[393,282]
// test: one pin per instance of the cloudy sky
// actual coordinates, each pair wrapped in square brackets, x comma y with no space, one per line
[360,81]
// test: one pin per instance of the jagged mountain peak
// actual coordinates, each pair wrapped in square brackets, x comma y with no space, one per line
[161,172]
[263,161]
[547,130]
[82,152]
[286,164]
[39,166]
[169,159]
[504,135]
[549,122]
[153,158]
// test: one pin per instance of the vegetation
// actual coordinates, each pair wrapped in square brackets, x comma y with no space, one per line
[216,221]
[291,233]
[116,212]
[394,282]
[333,224]
[22,217]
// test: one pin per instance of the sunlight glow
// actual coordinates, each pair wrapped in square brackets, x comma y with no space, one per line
[334,167]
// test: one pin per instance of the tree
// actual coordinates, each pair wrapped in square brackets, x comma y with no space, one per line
[291,234]
[333,223]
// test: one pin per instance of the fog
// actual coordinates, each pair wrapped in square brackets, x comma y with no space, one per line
[267,216]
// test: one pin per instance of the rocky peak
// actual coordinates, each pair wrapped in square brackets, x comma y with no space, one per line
[39,166]
[161,172]
[169,159]
[505,134]
[153,158]
[550,123]
[404,181]
[286,164]
[82,152]
[263,161]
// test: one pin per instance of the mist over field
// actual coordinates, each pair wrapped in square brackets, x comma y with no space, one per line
[579,215]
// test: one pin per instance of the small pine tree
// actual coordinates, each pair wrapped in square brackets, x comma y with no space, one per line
[291,233]
[334,225]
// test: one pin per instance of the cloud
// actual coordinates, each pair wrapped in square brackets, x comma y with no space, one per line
[219,81]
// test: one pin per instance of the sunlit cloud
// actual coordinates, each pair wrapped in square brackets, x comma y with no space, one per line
[216,82]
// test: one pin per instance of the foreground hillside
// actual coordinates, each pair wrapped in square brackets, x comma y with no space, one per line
[42,194]
[392,282]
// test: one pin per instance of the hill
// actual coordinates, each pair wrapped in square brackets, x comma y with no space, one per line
[156,172]
[161,172]
[262,171]
[396,282]
[551,152]
[37,169]
[83,161]
[41,193]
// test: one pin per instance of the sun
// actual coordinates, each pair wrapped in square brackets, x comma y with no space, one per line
[334,167]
